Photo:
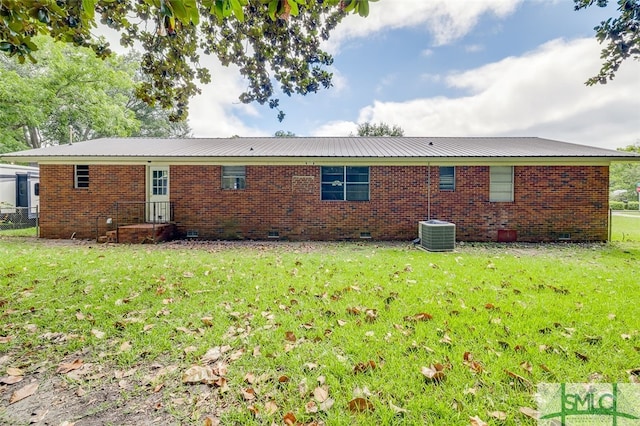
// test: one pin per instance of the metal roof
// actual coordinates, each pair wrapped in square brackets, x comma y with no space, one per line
[328,148]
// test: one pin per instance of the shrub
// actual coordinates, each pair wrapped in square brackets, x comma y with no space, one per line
[621,205]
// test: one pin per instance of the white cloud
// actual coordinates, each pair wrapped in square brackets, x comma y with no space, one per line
[473,48]
[446,20]
[431,78]
[215,112]
[342,128]
[541,93]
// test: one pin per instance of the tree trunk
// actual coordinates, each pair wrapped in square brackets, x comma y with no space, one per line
[32,136]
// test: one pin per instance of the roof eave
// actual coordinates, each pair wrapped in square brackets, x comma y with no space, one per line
[326,160]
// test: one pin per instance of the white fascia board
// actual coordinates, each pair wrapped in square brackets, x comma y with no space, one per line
[332,161]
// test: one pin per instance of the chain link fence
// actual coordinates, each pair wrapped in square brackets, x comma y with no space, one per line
[20,220]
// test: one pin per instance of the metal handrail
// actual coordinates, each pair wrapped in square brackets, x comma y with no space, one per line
[135,212]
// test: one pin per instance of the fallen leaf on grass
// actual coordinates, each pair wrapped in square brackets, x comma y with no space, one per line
[10,380]
[199,374]
[544,368]
[283,379]
[582,357]
[248,394]
[434,373]
[64,368]
[289,419]
[519,379]
[371,315]
[363,367]
[236,355]
[211,421]
[499,415]
[290,336]
[446,340]
[321,394]
[358,405]
[24,392]
[470,391]
[422,316]
[397,409]
[13,371]
[526,366]
[270,407]
[214,354]
[311,407]
[353,311]
[530,412]
[477,421]
[120,374]
[474,366]
[326,404]
[97,333]
[6,339]
[253,410]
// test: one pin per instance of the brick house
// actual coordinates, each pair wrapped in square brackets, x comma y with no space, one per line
[524,189]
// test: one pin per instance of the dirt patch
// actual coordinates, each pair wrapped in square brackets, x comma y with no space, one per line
[95,395]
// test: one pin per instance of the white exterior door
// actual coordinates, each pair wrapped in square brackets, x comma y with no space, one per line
[158,207]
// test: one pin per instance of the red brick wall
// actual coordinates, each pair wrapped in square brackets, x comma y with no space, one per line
[549,202]
[65,210]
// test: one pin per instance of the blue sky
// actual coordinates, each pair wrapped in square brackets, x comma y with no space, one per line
[450,68]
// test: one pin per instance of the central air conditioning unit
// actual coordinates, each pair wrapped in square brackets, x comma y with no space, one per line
[437,235]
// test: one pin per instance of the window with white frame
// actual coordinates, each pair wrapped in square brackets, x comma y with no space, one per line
[234,177]
[81,176]
[160,182]
[345,183]
[501,183]
[447,178]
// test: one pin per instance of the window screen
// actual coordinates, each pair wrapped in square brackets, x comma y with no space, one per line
[233,177]
[447,178]
[501,183]
[345,183]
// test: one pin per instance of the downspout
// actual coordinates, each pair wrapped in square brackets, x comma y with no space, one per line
[428,191]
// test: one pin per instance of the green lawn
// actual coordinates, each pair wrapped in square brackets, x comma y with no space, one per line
[20,232]
[278,331]
[625,226]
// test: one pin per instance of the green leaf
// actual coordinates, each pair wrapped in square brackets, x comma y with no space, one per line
[294,7]
[179,10]
[89,8]
[192,10]
[237,10]
[32,47]
[16,26]
[5,46]
[363,10]
[273,7]
[165,9]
